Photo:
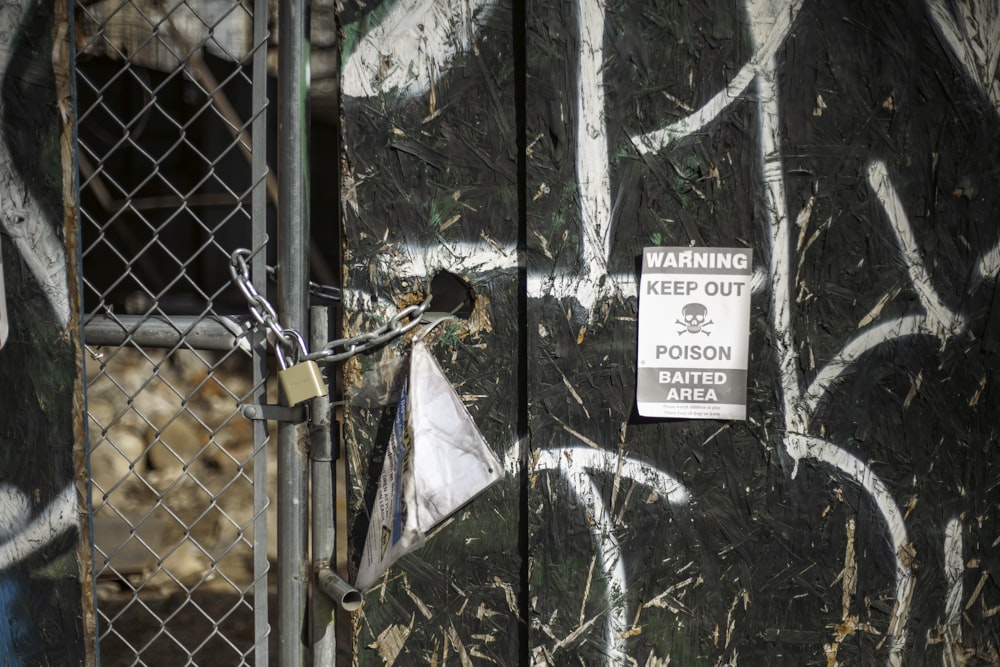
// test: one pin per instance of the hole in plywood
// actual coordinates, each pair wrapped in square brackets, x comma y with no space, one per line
[452,294]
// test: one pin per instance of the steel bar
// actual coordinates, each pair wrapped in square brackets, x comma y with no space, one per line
[339,592]
[258,210]
[197,332]
[323,621]
[293,279]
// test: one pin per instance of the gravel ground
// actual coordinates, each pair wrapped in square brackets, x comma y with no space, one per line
[171,468]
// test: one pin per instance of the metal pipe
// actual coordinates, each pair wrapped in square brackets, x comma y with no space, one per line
[293,253]
[198,332]
[258,340]
[339,591]
[323,639]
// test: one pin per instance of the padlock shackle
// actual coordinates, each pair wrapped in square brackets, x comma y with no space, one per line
[291,339]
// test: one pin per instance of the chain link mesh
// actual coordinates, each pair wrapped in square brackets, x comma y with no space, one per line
[165,108]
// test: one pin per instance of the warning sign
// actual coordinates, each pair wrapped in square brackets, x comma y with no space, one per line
[694,332]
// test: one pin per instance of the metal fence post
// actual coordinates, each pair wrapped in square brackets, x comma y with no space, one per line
[322,636]
[258,339]
[330,590]
[293,240]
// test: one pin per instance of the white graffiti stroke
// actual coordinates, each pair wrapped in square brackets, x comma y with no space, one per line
[412,46]
[574,464]
[954,568]
[797,443]
[771,22]
[21,216]
[971,29]
[593,179]
[22,537]
[937,319]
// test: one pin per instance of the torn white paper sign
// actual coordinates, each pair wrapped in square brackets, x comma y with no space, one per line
[436,462]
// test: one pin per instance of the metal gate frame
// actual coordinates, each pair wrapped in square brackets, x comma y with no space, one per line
[212,332]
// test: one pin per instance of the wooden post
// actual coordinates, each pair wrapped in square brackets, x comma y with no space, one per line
[849,519]
[42,560]
[430,186]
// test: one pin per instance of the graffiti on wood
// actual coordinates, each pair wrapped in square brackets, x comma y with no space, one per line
[41,620]
[876,251]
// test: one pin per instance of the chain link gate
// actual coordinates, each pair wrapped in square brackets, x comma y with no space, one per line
[172,146]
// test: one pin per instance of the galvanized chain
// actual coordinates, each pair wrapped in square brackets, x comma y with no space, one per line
[260,308]
[400,323]
[336,350]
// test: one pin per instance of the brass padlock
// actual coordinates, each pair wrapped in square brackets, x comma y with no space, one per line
[301,381]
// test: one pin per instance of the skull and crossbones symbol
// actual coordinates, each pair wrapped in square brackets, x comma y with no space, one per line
[694,322]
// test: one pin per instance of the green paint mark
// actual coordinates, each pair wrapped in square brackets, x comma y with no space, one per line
[355,31]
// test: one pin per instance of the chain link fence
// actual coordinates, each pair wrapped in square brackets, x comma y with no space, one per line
[171,100]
